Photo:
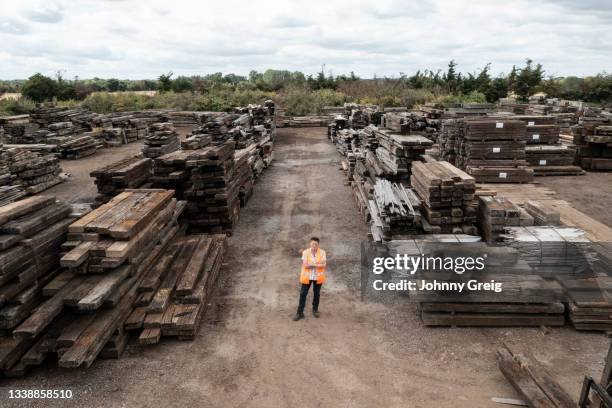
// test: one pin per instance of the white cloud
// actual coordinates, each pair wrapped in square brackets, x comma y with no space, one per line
[134,39]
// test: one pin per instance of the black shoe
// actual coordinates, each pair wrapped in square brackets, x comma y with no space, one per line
[298,317]
[315,314]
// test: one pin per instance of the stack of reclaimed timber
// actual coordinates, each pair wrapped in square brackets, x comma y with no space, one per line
[210,179]
[493,151]
[114,178]
[593,137]
[542,213]
[19,129]
[449,140]
[186,118]
[31,234]
[396,152]
[75,147]
[552,160]
[162,138]
[109,251]
[526,298]
[214,196]
[447,195]
[404,122]
[368,138]
[395,211]
[495,215]
[244,176]
[9,190]
[589,303]
[174,294]
[309,121]
[34,171]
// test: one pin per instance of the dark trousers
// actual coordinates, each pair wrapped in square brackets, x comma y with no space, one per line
[316,289]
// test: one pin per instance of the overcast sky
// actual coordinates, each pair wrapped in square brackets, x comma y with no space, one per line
[126,39]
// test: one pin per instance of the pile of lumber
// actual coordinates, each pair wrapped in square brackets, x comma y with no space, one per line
[128,173]
[404,122]
[47,113]
[447,196]
[162,138]
[593,138]
[449,140]
[309,121]
[175,292]
[542,213]
[9,190]
[526,299]
[395,211]
[108,253]
[19,129]
[210,179]
[31,235]
[532,381]
[493,151]
[552,160]
[34,171]
[589,303]
[495,214]
[76,146]
[186,118]
[396,152]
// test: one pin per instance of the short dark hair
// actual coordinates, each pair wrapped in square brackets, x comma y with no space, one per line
[314,239]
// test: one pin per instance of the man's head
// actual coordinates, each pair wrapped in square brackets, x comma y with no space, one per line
[314,243]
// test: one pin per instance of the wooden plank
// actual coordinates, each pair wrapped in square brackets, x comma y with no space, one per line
[107,284]
[18,208]
[189,277]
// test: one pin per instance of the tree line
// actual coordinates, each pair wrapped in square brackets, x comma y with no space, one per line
[521,82]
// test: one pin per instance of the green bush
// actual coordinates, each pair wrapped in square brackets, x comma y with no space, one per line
[19,106]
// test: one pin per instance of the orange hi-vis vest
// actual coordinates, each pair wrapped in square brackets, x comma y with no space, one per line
[305,274]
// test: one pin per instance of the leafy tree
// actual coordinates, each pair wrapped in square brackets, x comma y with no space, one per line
[182,84]
[165,82]
[39,88]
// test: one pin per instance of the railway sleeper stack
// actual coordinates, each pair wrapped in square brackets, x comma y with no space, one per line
[32,231]
[593,138]
[404,122]
[552,160]
[107,253]
[395,211]
[396,152]
[174,294]
[493,150]
[447,196]
[162,138]
[128,173]
[495,214]
[36,172]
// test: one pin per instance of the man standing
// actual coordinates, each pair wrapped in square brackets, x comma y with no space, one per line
[313,273]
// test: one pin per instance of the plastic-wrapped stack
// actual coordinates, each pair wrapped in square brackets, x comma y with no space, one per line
[161,138]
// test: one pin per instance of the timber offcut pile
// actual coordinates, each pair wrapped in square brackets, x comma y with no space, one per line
[162,138]
[113,179]
[396,152]
[447,195]
[31,235]
[175,292]
[493,151]
[395,211]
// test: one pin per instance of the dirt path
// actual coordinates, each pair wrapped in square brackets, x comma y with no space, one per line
[250,354]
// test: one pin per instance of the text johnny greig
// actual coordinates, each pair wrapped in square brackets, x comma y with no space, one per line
[403,263]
